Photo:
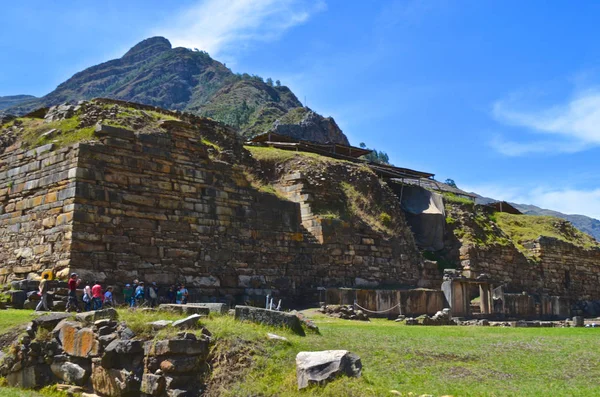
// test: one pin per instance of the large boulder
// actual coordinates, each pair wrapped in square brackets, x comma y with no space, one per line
[77,341]
[269,317]
[324,366]
[70,372]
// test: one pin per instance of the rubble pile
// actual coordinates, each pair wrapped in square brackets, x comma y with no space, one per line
[96,353]
[345,312]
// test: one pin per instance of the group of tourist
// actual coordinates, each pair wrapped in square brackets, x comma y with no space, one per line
[94,298]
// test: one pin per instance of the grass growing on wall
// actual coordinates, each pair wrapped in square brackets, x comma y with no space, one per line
[523,228]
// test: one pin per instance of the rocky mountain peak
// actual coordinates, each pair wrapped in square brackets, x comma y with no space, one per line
[148,47]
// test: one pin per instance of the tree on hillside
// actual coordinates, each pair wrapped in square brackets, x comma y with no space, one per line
[270,82]
[450,182]
[375,155]
[278,83]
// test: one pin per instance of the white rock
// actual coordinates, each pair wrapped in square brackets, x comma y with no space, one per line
[324,366]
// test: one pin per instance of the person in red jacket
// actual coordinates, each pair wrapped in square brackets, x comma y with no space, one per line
[97,296]
[72,302]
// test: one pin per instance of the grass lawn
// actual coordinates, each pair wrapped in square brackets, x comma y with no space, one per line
[458,361]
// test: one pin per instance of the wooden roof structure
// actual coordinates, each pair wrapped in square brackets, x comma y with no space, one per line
[338,151]
[434,185]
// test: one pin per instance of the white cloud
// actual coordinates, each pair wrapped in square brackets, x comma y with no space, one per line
[567,201]
[574,125]
[218,26]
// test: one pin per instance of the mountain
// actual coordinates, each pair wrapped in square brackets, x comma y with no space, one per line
[584,223]
[154,73]
[13,100]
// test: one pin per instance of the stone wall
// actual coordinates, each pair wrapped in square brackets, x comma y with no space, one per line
[551,267]
[159,207]
[37,190]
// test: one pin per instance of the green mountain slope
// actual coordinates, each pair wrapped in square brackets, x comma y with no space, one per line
[154,73]
[14,100]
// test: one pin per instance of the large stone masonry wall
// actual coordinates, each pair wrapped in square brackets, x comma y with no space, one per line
[370,255]
[37,190]
[561,269]
[157,207]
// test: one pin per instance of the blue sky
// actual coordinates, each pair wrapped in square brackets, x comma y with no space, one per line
[501,96]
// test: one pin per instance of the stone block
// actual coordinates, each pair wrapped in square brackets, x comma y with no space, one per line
[49,321]
[93,316]
[70,372]
[216,308]
[188,322]
[269,317]
[324,366]
[191,347]
[115,132]
[190,309]
[153,385]
[114,382]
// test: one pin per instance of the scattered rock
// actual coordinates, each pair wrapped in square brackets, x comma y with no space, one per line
[324,366]
[188,322]
[277,337]
[345,312]
[160,324]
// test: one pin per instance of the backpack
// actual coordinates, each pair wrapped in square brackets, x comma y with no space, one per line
[86,298]
[139,293]
[152,293]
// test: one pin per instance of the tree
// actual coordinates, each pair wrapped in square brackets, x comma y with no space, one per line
[270,82]
[362,145]
[451,182]
[278,83]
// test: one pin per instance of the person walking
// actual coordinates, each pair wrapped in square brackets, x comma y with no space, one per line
[97,296]
[87,298]
[185,294]
[43,294]
[171,294]
[108,297]
[153,294]
[139,293]
[72,301]
[128,295]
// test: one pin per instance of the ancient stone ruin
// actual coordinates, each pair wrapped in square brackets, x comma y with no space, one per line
[116,191]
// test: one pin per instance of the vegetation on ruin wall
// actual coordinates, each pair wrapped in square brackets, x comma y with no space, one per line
[412,360]
[74,129]
[33,130]
[351,203]
[524,228]
[472,224]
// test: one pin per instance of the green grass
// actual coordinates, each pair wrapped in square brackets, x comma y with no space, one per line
[274,155]
[45,392]
[453,198]
[523,228]
[458,361]
[70,133]
[11,318]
